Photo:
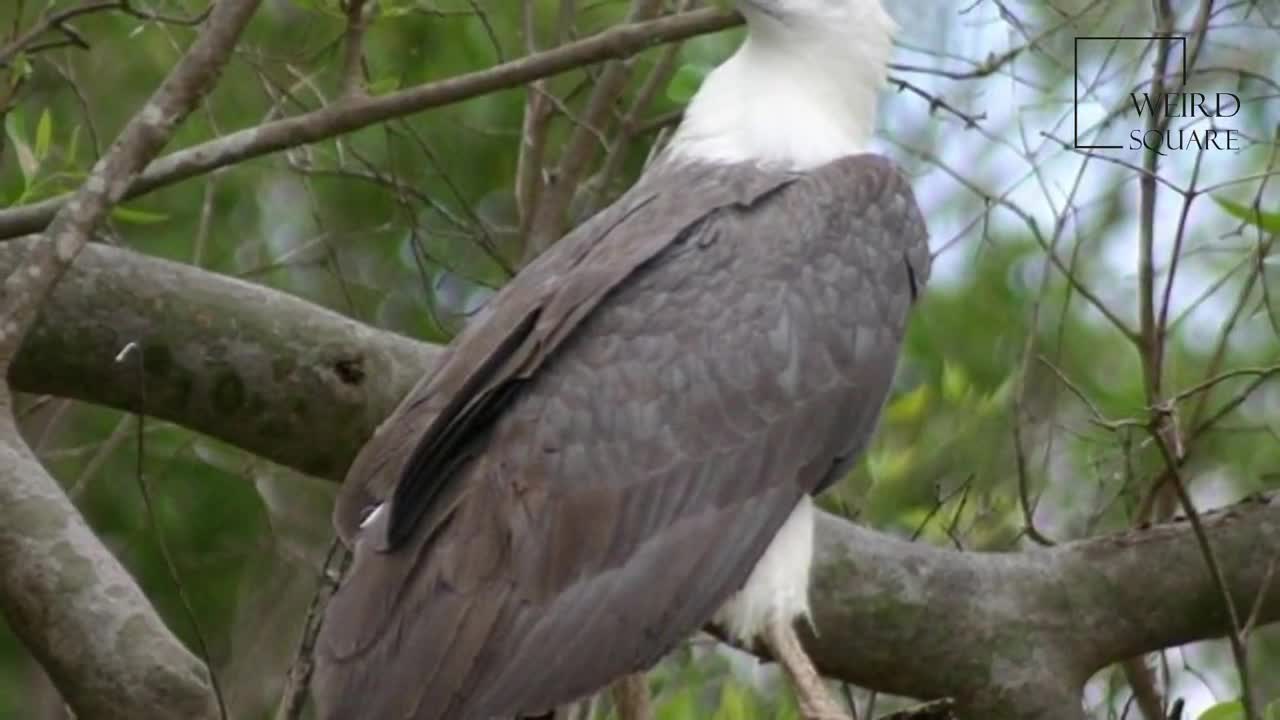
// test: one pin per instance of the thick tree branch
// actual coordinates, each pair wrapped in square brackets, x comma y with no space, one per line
[146,133]
[994,629]
[355,113]
[71,602]
[1009,635]
[291,382]
[63,593]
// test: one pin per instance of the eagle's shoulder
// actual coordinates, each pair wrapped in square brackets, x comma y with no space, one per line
[875,190]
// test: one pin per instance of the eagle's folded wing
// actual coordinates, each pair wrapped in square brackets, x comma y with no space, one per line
[626,460]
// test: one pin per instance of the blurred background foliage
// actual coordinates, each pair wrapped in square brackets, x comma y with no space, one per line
[411,224]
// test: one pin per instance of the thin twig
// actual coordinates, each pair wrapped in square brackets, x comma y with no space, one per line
[1239,651]
[337,119]
[145,134]
[132,350]
[549,216]
[351,78]
[294,698]
[50,21]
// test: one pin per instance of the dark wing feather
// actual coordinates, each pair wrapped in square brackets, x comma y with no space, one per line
[658,441]
[443,448]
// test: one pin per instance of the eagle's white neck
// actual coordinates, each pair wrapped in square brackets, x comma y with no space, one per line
[790,97]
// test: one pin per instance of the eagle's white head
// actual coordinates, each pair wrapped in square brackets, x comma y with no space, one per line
[800,92]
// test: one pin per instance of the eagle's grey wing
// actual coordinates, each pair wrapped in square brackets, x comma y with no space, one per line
[631,483]
[416,452]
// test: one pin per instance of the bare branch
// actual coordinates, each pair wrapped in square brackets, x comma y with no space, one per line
[338,118]
[351,78]
[549,218]
[298,684]
[50,21]
[144,136]
[533,133]
[71,602]
[64,594]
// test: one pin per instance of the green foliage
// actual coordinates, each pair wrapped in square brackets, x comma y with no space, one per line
[137,217]
[44,131]
[28,163]
[411,225]
[1267,221]
[1233,710]
[681,705]
[686,81]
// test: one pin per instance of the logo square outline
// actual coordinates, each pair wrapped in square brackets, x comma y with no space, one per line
[1075,79]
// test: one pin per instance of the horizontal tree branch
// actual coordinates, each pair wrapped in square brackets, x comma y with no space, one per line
[1009,635]
[290,381]
[1027,629]
[353,113]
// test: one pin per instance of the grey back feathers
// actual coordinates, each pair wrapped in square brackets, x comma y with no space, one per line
[599,461]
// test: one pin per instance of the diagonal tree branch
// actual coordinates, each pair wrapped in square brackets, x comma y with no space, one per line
[76,608]
[355,113]
[550,215]
[49,21]
[142,138]
[1009,635]
[64,594]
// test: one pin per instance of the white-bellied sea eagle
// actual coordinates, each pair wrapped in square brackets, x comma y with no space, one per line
[622,448]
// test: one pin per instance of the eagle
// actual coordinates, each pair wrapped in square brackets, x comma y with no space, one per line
[623,446]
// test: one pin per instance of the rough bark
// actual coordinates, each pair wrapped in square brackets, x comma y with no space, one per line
[78,610]
[1009,635]
[290,381]
[1004,633]
[66,596]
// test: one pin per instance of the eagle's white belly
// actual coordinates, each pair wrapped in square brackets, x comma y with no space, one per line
[778,587]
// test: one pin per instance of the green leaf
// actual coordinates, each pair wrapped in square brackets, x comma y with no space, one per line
[44,133]
[22,66]
[326,7]
[999,397]
[384,86]
[890,464]
[1272,712]
[686,82]
[1268,221]
[955,382]
[735,703]
[683,705]
[73,146]
[909,406]
[27,162]
[787,709]
[137,217]
[1233,710]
